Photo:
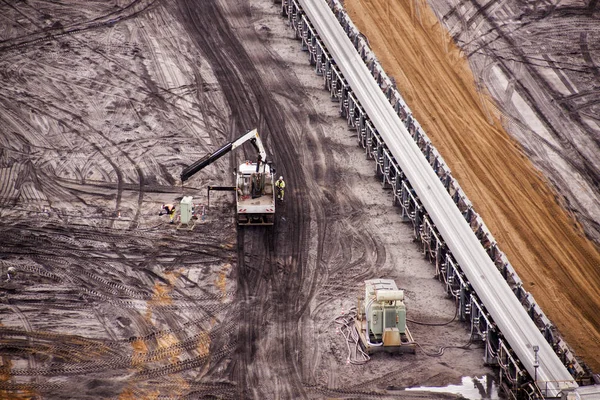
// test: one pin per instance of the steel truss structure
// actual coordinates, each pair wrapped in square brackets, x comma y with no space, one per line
[512,354]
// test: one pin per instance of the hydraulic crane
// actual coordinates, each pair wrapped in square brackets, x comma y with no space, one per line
[254,189]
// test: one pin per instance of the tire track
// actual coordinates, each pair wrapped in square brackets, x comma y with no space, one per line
[298,286]
[234,69]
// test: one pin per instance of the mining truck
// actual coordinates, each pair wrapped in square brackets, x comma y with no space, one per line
[255,181]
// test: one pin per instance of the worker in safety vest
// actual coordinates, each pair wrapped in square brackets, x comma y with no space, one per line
[280,184]
[168,209]
[10,273]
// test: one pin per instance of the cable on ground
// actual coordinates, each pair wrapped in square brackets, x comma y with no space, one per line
[440,351]
[347,327]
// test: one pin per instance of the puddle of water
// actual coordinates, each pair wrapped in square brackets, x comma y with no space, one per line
[472,388]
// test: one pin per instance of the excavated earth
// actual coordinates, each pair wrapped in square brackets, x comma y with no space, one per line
[539,61]
[102,103]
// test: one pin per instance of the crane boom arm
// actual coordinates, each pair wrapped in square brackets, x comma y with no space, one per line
[251,136]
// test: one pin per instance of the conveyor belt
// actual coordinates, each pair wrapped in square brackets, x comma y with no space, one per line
[507,312]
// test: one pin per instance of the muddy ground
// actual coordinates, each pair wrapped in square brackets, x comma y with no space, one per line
[538,60]
[102,104]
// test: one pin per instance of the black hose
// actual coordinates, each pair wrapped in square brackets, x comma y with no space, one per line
[436,323]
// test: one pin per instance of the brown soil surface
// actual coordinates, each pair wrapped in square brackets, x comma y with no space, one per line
[545,245]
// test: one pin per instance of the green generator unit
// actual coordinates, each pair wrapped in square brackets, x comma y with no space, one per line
[382,318]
